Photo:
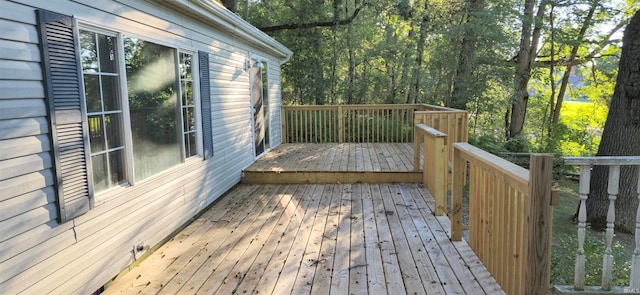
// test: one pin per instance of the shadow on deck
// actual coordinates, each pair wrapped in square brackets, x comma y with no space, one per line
[329,238]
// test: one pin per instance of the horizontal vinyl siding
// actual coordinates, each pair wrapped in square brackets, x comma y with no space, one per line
[29,232]
[37,254]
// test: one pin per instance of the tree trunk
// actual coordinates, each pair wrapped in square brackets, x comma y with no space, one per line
[572,57]
[621,137]
[232,5]
[319,92]
[526,55]
[417,74]
[464,71]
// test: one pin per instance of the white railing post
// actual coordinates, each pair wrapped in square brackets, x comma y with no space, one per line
[585,179]
[635,260]
[607,259]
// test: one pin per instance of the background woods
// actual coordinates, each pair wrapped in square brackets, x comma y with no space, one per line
[511,64]
[535,75]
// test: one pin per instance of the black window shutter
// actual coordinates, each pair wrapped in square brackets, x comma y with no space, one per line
[64,93]
[205,105]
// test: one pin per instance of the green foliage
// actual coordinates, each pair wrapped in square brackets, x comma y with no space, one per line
[490,143]
[398,51]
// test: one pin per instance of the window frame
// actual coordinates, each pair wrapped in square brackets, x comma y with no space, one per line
[264,75]
[129,175]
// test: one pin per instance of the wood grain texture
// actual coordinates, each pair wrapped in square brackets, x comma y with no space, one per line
[314,239]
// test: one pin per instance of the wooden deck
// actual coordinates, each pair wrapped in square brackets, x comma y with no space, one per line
[335,163]
[314,239]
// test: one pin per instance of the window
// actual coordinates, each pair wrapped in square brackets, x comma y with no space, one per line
[154,107]
[188,104]
[120,109]
[158,82]
[104,108]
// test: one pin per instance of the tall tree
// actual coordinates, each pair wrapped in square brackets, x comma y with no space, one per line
[462,84]
[621,137]
[528,50]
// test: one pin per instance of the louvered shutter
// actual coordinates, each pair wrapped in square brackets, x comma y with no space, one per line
[205,106]
[64,95]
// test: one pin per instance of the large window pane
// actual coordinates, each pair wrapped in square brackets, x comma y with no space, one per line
[154,106]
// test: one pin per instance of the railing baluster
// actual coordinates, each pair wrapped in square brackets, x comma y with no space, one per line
[635,260]
[585,178]
[607,260]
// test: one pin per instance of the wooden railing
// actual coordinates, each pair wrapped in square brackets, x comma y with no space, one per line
[509,216]
[454,123]
[352,123]
[614,164]
[435,172]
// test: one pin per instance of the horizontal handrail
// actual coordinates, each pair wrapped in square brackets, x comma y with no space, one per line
[509,216]
[602,160]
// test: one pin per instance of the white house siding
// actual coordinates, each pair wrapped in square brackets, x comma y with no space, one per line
[275,90]
[39,255]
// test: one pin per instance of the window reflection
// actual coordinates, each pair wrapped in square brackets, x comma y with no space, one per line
[154,106]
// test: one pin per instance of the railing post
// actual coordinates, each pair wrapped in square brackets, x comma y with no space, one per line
[439,168]
[283,121]
[417,141]
[607,259]
[635,260]
[537,264]
[340,125]
[458,173]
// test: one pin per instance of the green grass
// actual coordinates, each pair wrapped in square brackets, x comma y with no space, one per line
[565,245]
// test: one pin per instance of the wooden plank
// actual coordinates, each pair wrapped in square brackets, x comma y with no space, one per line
[344,160]
[179,247]
[294,257]
[304,195]
[410,218]
[357,261]
[311,259]
[401,237]
[386,162]
[325,262]
[539,224]
[234,268]
[321,177]
[423,219]
[340,269]
[375,269]
[202,258]
[450,256]
[220,261]
[290,204]
[391,266]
